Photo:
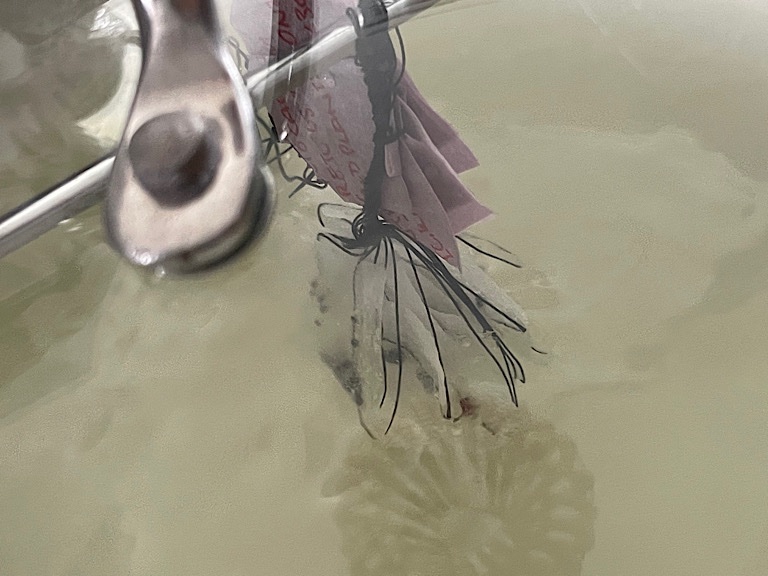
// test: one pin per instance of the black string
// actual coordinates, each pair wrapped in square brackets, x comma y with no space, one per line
[487,253]
[308,177]
[434,335]
[375,55]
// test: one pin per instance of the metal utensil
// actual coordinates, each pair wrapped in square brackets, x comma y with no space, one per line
[87,187]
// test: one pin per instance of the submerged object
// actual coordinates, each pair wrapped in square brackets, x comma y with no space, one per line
[189,188]
[399,324]
[415,311]
[454,499]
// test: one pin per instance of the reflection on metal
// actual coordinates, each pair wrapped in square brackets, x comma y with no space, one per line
[88,187]
[465,498]
[188,187]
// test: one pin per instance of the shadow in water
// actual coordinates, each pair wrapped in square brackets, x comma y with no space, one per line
[62,293]
[63,64]
[738,277]
[442,498]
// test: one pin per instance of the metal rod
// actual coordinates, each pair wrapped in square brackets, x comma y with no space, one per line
[295,70]
[88,187]
[64,200]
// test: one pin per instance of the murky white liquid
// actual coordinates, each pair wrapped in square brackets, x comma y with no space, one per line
[187,427]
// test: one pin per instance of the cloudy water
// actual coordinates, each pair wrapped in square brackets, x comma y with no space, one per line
[158,426]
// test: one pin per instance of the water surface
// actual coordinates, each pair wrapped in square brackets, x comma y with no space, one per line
[150,426]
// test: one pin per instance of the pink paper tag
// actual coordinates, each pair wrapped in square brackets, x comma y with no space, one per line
[329,122]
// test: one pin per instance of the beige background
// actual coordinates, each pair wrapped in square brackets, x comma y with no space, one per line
[154,427]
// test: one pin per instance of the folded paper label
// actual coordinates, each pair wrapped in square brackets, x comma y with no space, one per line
[329,122]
